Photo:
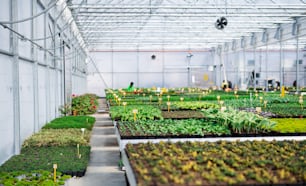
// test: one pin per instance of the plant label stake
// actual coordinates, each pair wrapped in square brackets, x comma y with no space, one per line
[150,98]
[265,103]
[221,103]
[124,94]
[119,99]
[54,172]
[283,91]
[160,101]
[218,98]
[301,102]
[223,109]
[168,97]
[135,111]
[260,99]
[182,99]
[124,104]
[78,148]
[237,96]
[258,109]
[168,104]
[83,130]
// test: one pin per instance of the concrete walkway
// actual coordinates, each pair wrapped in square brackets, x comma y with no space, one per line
[103,167]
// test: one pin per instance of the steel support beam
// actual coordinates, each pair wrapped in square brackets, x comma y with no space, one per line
[16,91]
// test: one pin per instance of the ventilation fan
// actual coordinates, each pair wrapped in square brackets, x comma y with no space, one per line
[221,23]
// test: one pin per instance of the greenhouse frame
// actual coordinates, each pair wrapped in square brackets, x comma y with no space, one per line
[52,50]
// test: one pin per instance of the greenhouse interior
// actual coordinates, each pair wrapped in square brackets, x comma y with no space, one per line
[153,92]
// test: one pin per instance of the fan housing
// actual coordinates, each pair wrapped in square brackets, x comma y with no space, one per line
[221,23]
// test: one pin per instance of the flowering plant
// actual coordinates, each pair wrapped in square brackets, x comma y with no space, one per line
[84,104]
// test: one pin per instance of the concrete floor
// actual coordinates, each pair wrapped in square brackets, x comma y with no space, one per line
[103,167]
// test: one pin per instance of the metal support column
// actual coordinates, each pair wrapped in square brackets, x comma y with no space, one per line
[16,93]
[266,60]
[35,70]
[163,64]
[47,74]
[297,59]
[112,60]
[255,70]
[281,70]
[137,68]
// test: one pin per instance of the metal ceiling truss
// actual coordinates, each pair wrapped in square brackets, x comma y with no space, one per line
[181,23]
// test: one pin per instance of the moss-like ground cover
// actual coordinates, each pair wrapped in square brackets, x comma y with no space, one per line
[43,158]
[219,163]
[290,125]
[71,122]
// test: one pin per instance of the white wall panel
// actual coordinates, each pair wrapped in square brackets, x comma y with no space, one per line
[78,85]
[53,106]
[6,109]
[122,80]
[26,99]
[104,61]
[4,33]
[147,64]
[176,59]
[96,85]
[42,94]
[176,79]
[39,33]
[125,62]
[149,80]
[24,11]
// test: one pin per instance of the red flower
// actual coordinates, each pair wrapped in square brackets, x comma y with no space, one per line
[73,95]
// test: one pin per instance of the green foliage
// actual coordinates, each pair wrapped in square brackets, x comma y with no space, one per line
[84,104]
[43,158]
[32,178]
[240,121]
[57,137]
[219,163]
[287,110]
[171,127]
[71,122]
[65,109]
[193,105]
[289,125]
[145,112]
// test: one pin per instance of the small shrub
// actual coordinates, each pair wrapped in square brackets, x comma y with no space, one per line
[84,104]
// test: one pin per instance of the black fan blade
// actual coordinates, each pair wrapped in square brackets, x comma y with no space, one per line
[224,21]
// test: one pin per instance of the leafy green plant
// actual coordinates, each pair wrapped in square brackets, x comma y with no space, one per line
[32,178]
[170,127]
[65,109]
[144,112]
[84,104]
[194,105]
[290,125]
[71,122]
[287,110]
[58,137]
[240,121]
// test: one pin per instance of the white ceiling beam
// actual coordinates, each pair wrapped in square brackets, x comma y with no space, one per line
[198,6]
[193,14]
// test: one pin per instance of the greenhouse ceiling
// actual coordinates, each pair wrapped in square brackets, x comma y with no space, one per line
[177,24]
